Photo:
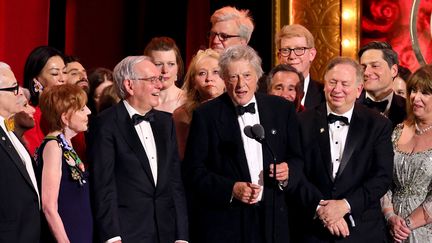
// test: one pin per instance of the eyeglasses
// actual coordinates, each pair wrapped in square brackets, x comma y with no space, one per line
[232,78]
[298,51]
[221,36]
[14,89]
[153,80]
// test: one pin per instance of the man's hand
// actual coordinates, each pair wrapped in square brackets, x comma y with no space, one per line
[246,192]
[332,211]
[340,228]
[281,171]
[398,228]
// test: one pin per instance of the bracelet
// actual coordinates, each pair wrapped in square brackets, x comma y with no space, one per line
[388,215]
[409,223]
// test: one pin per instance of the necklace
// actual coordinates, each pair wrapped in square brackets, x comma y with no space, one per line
[419,131]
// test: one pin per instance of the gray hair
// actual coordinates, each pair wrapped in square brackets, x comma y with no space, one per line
[4,65]
[242,18]
[349,61]
[125,70]
[239,52]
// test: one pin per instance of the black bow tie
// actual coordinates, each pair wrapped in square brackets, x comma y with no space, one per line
[249,108]
[331,118]
[137,118]
[379,106]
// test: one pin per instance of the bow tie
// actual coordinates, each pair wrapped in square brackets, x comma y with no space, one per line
[137,118]
[249,108]
[331,118]
[9,124]
[379,106]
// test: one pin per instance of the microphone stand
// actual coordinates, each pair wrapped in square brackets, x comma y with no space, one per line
[274,191]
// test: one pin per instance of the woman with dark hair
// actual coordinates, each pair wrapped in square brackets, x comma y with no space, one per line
[407,207]
[64,185]
[166,56]
[43,68]
[99,79]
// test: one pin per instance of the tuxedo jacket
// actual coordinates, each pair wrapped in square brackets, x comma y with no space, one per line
[314,94]
[364,175]
[397,111]
[126,201]
[19,203]
[215,159]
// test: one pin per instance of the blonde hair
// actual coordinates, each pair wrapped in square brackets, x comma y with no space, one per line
[193,98]
[294,30]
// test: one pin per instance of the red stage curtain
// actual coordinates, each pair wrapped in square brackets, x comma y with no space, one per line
[23,26]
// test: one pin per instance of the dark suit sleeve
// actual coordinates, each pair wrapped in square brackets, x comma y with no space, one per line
[102,157]
[178,190]
[210,186]
[378,181]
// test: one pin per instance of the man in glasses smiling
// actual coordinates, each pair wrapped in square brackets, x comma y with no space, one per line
[297,48]
[230,27]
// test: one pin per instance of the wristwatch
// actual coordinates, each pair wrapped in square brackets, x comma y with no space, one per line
[408,223]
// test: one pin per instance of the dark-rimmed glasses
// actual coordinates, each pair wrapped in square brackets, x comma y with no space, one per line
[298,51]
[14,89]
[221,36]
[152,80]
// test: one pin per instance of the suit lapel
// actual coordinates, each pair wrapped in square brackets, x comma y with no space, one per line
[355,134]
[125,126]
[229,131]
[324,139]
[158,127]
[266,121]
[13,154]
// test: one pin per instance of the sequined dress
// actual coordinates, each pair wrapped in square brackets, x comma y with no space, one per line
[412,179]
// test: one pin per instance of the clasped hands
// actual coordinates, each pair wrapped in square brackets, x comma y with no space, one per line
[331,213]
[248,192]
[398,228]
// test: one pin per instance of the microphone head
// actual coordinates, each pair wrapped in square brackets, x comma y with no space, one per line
[248,132]
[258,132]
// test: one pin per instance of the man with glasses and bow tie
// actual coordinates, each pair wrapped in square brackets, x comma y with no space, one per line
[230,27]
[380,64]
[296,47]
[137,186]
[348,162]
[20,203]
[235,196]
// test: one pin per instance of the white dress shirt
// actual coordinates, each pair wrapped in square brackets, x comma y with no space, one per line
[305,88]
[252,148]
[338,132]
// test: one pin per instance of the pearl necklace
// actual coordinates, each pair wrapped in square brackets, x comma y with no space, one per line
[419,131]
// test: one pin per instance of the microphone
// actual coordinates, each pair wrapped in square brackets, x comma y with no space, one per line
[255,132]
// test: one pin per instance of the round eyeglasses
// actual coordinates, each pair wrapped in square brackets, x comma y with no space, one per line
[298,51]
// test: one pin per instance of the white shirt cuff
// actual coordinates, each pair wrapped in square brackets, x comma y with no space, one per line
[114,239]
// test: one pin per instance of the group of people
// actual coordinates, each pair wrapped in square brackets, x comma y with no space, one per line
[129,156]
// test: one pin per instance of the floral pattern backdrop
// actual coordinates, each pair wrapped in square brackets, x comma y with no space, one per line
[389,20]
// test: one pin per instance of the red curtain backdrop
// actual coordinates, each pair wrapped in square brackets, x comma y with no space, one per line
[23,26]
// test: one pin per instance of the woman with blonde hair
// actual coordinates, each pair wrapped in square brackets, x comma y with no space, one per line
[202,83]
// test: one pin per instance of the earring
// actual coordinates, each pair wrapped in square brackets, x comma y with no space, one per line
[37,86]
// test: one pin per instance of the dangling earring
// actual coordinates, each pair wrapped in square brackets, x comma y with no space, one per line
[37,86]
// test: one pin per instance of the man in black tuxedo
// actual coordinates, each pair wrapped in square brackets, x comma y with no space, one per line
[348,162]
[380,64]
[229,175]
[20,203]
[137,187]
[296,47]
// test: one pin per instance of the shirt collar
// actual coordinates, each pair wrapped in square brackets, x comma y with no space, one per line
[131,111]
[347,114]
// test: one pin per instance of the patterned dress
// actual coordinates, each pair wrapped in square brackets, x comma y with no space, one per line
[74,196]
[412,186]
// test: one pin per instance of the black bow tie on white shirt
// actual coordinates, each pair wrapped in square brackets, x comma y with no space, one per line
[331,118]
[249,108]
[137,118]
[379,106]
